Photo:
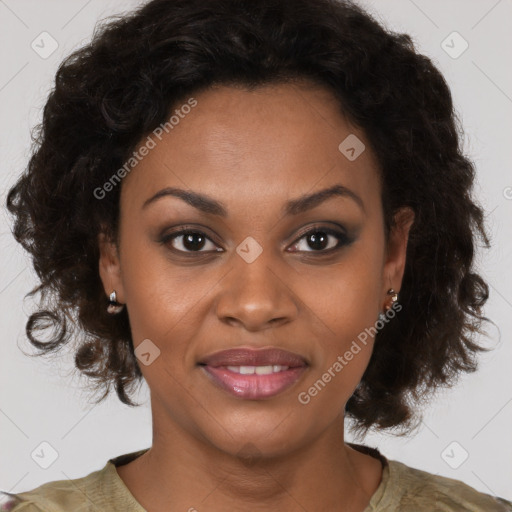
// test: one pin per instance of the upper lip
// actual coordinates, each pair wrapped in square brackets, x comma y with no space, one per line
[254,357]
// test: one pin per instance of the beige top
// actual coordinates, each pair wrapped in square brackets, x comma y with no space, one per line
[402,488]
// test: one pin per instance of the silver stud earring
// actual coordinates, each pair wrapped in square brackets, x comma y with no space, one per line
[114,307]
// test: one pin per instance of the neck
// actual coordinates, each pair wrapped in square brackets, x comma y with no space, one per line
[183,472]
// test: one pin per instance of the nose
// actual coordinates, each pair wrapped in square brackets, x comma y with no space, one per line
[256,295]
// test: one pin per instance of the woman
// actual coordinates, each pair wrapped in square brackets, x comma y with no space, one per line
[262,209]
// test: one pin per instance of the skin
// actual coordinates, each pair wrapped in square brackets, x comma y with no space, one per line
[253,151]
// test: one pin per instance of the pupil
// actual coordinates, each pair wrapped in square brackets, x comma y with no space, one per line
[188,241]
[318,238]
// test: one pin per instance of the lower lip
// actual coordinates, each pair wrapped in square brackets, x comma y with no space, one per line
[253,387]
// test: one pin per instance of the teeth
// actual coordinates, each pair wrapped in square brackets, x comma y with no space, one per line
[264,370]
[258,370]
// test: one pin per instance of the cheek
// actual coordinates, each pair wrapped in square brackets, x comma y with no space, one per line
[344,305]
[162,299]
[347,297]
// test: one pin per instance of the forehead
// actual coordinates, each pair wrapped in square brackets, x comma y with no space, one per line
[274,141]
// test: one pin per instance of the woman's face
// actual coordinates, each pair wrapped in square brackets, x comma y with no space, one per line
[249,276]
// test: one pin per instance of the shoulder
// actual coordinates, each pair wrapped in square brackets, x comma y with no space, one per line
[80,495]
[417,490]
[14,503]
[99,490]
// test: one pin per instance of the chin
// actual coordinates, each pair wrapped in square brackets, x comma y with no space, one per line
[251,437]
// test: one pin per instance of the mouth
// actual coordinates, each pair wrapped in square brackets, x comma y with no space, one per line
[254,374]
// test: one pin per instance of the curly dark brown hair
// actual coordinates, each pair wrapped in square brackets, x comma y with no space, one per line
[111,93]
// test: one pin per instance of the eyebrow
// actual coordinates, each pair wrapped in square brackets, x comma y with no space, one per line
[211,206]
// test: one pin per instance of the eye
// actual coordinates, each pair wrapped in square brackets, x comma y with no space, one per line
[187,240]
[322,240]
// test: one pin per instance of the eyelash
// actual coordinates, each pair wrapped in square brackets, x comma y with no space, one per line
[343,240]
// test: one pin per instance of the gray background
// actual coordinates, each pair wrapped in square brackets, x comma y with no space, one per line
[41,400]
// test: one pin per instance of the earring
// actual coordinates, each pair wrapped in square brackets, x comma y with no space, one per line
[114,307]
[394,298]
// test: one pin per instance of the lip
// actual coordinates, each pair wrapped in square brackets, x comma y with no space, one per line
[253,357]
[253,386]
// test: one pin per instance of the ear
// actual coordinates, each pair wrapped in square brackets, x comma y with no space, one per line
[110,267]
[394,265]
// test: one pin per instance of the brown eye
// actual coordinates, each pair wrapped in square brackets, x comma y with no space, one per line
[321,240]
[189,241]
